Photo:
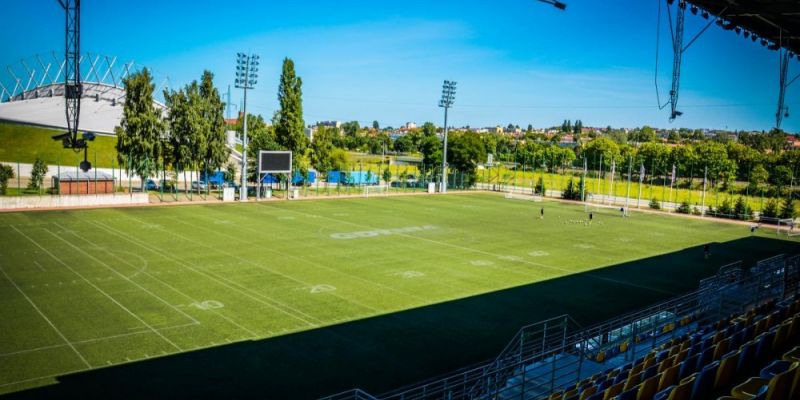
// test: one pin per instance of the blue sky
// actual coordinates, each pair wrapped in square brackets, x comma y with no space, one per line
[516,61]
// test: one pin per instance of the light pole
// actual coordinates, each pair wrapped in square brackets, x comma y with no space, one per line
[246,78]
[448,96]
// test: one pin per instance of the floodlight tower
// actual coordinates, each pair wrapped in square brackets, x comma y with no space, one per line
[246,78]
[448,97]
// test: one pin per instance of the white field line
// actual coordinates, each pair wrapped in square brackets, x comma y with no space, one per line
[563,270]
[305,284]
[323,266]
[190,298]
[220,280]
[92,284]
[39,265]
[100,339]
[64,338]
[125,277]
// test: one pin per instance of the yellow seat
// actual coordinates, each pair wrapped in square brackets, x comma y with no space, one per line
[648,388]
[613,391]
[667,363]
[721,348]
[681,356]
[570,393]
[778,388]
[726,371]
[684,390]
[588,392]
[669,377]
[632,381]
[792,355]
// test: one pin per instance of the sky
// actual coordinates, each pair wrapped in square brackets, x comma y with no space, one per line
[515,61]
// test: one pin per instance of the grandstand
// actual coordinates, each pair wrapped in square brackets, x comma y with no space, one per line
[733,335]
[32,92]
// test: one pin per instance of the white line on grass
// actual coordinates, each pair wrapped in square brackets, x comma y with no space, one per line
[340,272]
[563,270]
[39,265]
[64,338]
[93,285]
[212,277]
[125,277]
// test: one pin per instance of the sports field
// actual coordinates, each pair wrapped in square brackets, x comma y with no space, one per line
[271,287]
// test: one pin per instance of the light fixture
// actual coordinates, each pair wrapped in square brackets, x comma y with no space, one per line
[694,10]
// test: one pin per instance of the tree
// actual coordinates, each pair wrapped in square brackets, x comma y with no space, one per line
[376,125]
[465,152]
[540,188]
[683,208]
[6,173]
[351,128]
[530,128]
[339,160]
[404,144]
[216,149]
[387,175]
[186,127]
[431,149]
[604,148]
[654,204]
[429,129]
[758,176]
[261,137]
[578,128]
[740,209]
[289,124]
[38,173]
[569,191]
[725,209]
[322,149]
[770,209]
[714,155]
[139,135]
[788,211]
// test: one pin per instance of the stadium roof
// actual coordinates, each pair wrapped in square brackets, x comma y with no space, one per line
[777,21]
[32,92]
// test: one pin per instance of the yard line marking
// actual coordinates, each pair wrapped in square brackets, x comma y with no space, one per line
[125,277]
[44,316]
[39,265]
[564,270]
[90,282]
[135,241]
[375,310]
[340,272]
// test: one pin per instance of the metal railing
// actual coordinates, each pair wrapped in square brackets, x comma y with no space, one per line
[548,356]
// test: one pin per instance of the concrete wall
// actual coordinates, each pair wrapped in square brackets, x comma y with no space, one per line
[41,202]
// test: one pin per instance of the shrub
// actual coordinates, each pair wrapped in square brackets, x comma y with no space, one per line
[788,211]
[540,188]
[6,173]
[654,204]
[770,209]
[684,208]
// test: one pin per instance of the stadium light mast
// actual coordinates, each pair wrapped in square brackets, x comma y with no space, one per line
[246,78]
[448,97]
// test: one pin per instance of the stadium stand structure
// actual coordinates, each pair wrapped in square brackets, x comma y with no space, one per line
[32,92]
[733,335]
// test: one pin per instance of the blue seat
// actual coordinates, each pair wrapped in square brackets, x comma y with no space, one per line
[775,368]
[705,358]
[597,396]
[704,382]
[764,346]
[621,377]
[747,357]
[664,394]
[603,385]
[650,372]
[689,366]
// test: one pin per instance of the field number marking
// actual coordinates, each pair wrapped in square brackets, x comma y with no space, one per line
[207,305]
[382,232]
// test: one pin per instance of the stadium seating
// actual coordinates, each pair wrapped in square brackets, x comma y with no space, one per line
[710,361]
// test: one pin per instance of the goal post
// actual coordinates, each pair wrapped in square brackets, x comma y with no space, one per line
[786,226]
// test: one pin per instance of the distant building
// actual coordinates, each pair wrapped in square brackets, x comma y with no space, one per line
[330,124]
[410,125]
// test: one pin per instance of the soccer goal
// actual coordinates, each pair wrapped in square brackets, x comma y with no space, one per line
[522,196]
[787,227]
[377,190]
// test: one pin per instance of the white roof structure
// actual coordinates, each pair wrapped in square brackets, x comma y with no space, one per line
[32,92]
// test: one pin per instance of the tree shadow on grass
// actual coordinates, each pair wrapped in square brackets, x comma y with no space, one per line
[385,352]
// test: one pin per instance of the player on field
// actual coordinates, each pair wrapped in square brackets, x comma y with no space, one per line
[541,213]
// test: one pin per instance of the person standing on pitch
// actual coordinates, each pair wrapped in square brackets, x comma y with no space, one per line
[622,211]
[591,217]
[541,213]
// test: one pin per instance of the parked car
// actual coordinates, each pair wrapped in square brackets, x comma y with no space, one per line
[150,185]
[199,185]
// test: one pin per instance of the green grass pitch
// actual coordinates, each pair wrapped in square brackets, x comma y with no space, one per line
[373,292]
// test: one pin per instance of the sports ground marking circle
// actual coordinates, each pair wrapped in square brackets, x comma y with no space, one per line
[625,239]
[584,246]
[538,253]
[481,263]
[510,258]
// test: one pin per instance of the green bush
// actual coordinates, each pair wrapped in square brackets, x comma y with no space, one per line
[684,208]
[654,204]
[540,188]
[6,173]
[770,209]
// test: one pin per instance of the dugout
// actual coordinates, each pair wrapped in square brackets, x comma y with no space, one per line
[92,182]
